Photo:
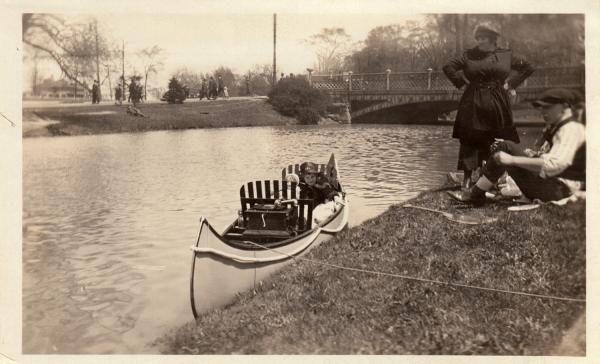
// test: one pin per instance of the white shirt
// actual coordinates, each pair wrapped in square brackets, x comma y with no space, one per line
[561,155]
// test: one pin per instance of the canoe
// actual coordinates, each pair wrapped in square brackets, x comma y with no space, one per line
[273,227]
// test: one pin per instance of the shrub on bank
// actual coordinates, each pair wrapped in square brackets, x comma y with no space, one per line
[294,97]
[176,93]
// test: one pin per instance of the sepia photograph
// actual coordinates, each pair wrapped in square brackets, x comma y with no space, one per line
[278,179]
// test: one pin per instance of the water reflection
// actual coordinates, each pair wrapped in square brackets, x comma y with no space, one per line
[108,220]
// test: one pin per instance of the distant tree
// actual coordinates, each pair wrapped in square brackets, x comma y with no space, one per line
[189,78]
[77,48]
[260,79]
[543,39]
[396,47]
[35,57]
[432,44]
[331,45]
[152,60]
[229,78]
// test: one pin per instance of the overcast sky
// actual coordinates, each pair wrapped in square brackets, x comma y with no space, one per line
[204,34]
[205,42]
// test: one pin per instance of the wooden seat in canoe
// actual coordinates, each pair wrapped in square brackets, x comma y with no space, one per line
[267,191]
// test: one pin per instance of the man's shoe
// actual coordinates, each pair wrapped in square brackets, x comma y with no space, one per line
[476,198]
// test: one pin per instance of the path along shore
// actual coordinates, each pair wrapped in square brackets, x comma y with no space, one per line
[310,308]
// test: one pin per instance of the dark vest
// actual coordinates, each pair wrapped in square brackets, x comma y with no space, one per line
[575,171]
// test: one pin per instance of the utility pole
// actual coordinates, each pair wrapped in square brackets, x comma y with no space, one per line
[123,69]
[97,59]
[274,49]
[109,83]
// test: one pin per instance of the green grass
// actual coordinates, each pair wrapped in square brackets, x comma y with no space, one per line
[93,119]
[313,309]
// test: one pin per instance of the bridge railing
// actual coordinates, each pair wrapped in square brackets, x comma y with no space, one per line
[388,81]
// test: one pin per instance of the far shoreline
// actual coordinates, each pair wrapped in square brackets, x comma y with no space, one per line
[47,119]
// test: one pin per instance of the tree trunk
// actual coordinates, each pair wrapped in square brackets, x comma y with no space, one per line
[109,83]
[274,49]
[145,83]
[465,30]
[123,69]
[459,25]
[34,86]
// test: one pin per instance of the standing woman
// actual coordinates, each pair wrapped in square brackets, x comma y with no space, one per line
[484,111]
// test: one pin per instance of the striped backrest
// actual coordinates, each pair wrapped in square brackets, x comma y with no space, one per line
[267,191]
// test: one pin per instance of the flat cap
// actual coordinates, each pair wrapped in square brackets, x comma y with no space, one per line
[308,167]
[555,96]
[486,28]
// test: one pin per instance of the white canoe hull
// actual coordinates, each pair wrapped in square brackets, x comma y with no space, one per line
[220,271]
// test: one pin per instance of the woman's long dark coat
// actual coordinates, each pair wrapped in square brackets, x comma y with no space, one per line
[484,111]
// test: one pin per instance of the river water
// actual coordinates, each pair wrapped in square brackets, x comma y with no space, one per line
[108,220]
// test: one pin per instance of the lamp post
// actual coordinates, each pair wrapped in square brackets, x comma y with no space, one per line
[274,49]
[429,70]
[350,81]
[349,86]
[310,71]
[387,79]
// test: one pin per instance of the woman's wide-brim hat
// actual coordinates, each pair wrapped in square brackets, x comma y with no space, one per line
[487,28]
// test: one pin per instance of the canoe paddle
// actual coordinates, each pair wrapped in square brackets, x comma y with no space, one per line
[460,218]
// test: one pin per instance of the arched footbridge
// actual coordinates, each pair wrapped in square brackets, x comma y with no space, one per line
[372,95]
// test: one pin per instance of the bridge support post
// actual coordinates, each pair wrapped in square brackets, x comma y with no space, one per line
[387,79]
[347,114]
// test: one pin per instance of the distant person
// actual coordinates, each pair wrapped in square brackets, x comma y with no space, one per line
[212,88]
[118,95]
[553,171]
[95,93]
[220,86]
[225,92]
[491,74]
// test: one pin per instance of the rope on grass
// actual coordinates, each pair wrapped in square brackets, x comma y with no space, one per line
[395,275]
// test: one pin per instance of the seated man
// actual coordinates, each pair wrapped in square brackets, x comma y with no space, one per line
[315,186]
[555,171]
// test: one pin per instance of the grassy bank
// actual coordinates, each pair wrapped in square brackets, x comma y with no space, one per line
[314,309]
[107,118]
